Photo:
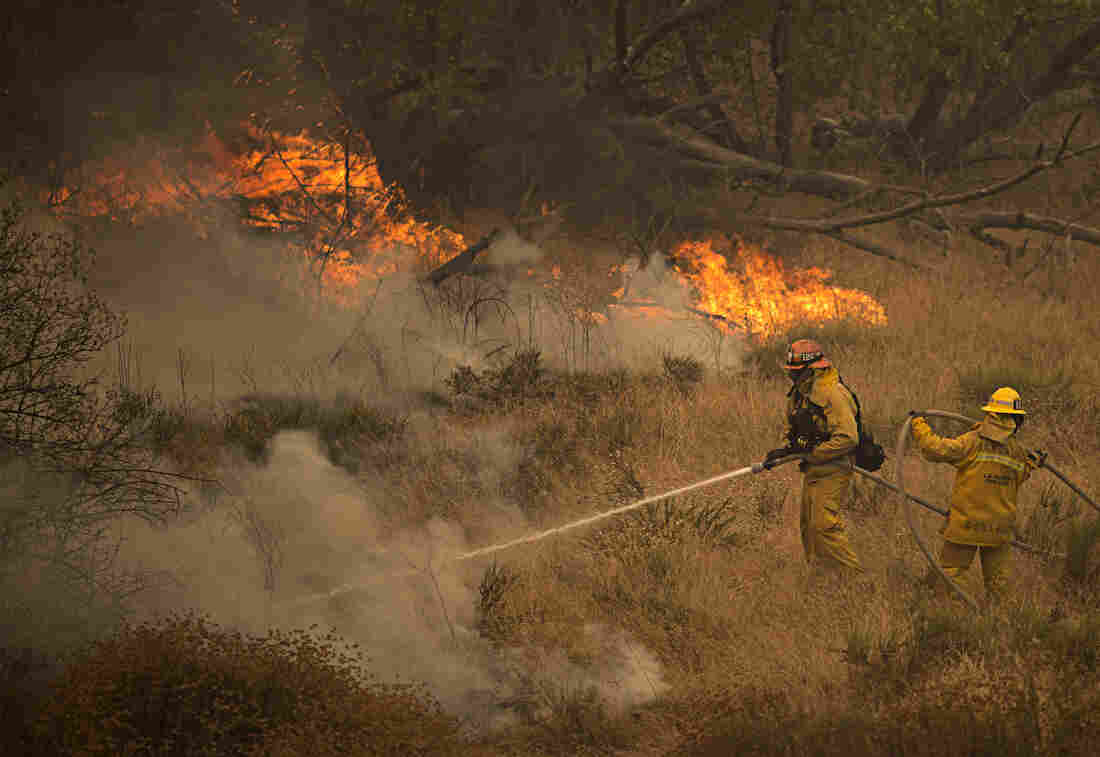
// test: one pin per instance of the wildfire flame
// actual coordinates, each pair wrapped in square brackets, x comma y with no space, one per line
[326,201]
[750,291]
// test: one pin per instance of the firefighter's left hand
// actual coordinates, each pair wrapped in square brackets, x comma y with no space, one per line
[775,456]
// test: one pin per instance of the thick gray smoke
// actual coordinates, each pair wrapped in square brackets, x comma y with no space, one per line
[217,319]
[299,541]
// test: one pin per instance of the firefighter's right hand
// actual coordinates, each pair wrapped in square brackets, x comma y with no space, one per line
[775,456]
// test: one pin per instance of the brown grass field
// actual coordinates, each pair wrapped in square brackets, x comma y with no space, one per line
[729,644]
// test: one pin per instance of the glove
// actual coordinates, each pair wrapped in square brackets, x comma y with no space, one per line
[775,455]
[1038,458]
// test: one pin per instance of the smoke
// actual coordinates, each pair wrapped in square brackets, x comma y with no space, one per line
[218,317]
[335,557]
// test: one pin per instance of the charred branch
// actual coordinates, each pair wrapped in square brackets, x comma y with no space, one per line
[461,262]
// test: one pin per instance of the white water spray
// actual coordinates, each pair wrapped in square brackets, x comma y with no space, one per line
[755,468]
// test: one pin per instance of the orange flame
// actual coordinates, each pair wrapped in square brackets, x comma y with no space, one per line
[766,298]
[748,290]
[333,208]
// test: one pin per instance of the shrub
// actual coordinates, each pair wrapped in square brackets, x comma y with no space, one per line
[684,371]
[74,454]
[1081,539]
[493,621]
[343,425]
[522,377]
[184,686]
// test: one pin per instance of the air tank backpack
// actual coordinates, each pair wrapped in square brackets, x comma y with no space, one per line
[868,454]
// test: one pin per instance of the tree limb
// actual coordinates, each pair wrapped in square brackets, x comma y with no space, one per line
[780,60]
[861,242]
[732,139]
[620,30]
[721,162]
[461,262]
[977,223]
[689,11]
[870,219]
[1006,105]
[927,114]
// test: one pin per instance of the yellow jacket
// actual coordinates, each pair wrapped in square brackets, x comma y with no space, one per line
[833,413]
[991,465]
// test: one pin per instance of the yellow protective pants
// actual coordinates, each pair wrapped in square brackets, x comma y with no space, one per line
[955,559]
[824,538]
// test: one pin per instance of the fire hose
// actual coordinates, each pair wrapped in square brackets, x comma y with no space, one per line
[902,448]
[729,475]
[754,469]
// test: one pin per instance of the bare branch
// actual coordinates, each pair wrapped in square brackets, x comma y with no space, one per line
[868,245]
[977,224]
[871,219]
[460,262]
[689,11]
[733,140]
[693,150]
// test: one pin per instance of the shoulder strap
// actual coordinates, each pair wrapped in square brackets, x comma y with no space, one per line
[859,420]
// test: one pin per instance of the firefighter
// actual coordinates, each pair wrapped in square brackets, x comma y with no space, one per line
[821,414]
[990,465]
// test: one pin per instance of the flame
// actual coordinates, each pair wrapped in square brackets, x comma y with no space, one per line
[767,298]
[327,202]
[750,291]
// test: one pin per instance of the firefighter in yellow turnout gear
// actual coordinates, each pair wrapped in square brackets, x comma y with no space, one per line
[991,464]
[821,413]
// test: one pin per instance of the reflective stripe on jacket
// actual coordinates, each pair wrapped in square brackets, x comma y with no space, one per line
[991,465]
[835,418]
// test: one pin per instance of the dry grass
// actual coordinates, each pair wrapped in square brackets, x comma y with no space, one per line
[760,656]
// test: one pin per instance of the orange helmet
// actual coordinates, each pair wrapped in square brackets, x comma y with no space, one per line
[805,352]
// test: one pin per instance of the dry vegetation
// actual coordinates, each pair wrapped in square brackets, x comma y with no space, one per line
[756,655]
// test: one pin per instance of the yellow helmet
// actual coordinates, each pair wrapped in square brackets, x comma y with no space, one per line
[1005,400]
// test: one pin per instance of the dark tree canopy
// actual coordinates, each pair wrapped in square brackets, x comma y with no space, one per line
[610,108]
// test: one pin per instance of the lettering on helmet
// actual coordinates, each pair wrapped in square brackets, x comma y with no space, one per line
[794,358]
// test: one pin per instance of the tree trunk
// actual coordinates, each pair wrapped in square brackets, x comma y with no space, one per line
[1006,105]
[722,125]
[781,68]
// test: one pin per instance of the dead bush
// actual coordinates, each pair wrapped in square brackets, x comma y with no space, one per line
[185,686]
